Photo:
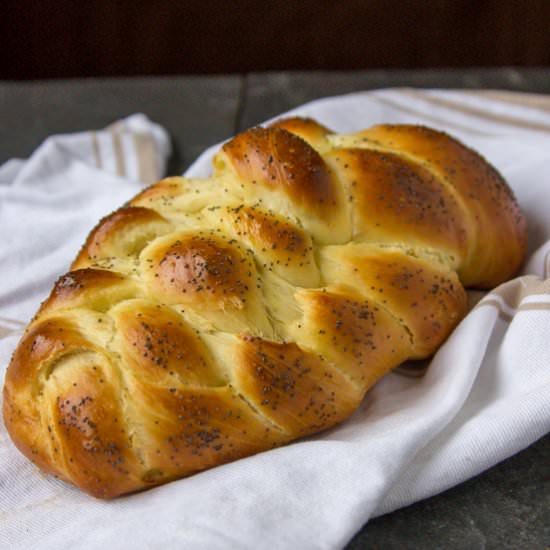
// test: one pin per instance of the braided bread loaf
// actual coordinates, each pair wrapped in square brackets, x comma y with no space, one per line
[212,319]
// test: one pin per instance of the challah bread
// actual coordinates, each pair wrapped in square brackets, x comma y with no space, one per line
[208,320]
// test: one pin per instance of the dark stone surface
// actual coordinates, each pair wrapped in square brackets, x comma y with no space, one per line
[267,95]
[197,111]
[507,507]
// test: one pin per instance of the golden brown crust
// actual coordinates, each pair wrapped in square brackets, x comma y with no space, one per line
[399,201]
[93,288]
[273,161]
[425,297]
[298,391]
[163,190]
[41,345]
[89,432]
[279,160]
[356,334]
[202,270]
[279,245]
[155,343]
[491,208]
[187,429]
[213,319]
[308,129]
[122,233]
[45,392]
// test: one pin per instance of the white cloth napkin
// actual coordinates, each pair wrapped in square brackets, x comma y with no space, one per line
[485,396]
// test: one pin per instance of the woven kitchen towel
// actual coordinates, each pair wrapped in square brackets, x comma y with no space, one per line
[485,396]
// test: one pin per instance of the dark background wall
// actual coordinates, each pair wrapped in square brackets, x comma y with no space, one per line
[70,38]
